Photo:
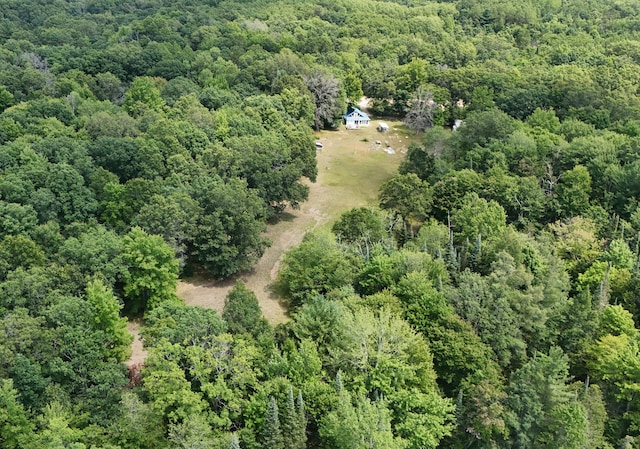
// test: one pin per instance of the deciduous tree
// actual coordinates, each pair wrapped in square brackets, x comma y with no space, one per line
[325,91]
[152,274]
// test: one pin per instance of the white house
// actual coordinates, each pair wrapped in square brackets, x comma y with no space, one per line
[355,118]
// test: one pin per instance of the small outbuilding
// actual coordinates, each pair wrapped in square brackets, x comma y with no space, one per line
[383,127]
[355,118]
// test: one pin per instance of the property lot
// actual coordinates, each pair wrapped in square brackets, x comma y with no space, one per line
[351,168]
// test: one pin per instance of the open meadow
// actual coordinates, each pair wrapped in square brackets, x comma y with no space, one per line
[351,169]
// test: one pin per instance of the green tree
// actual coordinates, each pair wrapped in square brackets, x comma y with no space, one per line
[615,358]
[142,96]
[271,430]
[301,430]
[235,444]
[138,425]
[385,357]
[352,87]
[16,219]
[107,319]
[480,128]
[293,422]
[420,161]
[174,218]
[15,428]
[449,191]
[457,350]
[95,252]
[315,267]
[361,229]
[477,216]
[321,321]
[228,235]
[572,193]
[19,251]
[272,166]
[242,312]
[152,274]
[577,243]
[73,200]
[57,430]
[167,387]
[192,433]
[179,323]
[544,411]
[363,425]
[408,196]
[6,98]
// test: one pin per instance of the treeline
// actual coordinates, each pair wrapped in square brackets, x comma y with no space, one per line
[518,267]
[493,305]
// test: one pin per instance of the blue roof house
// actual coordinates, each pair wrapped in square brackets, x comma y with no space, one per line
[355,118]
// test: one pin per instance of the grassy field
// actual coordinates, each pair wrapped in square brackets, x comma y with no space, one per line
[351,168]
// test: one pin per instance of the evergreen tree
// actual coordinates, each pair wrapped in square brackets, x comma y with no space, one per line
[302,421]
[294,422]
[289,422]
[242,312]
[451,256]
[476,254]
[235,444]
[271,432]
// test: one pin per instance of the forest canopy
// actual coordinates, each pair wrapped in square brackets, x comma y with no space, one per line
[490,301]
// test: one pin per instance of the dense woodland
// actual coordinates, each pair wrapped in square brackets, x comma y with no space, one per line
[491,301]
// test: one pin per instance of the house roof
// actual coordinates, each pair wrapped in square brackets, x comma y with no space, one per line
[357,113]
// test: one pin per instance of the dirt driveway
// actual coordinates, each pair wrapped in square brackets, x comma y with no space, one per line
[351,167]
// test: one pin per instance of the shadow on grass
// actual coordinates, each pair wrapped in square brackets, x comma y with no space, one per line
[284,216]
[204,279]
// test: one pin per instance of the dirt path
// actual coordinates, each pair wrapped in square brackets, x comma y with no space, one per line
[351,168]
[138,353]
[288,232]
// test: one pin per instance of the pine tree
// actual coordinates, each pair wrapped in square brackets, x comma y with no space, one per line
[451,256]
[302,421]
[235,444]
[271,432]
[289,422]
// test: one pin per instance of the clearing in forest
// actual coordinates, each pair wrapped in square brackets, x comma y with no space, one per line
[351,168]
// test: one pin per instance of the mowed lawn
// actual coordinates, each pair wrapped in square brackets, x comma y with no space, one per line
[351,169]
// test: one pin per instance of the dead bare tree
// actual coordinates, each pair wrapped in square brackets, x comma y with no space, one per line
[41,65]
[421,110]
[325,90]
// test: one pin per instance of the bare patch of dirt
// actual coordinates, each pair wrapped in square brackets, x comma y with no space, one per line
[138,353]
